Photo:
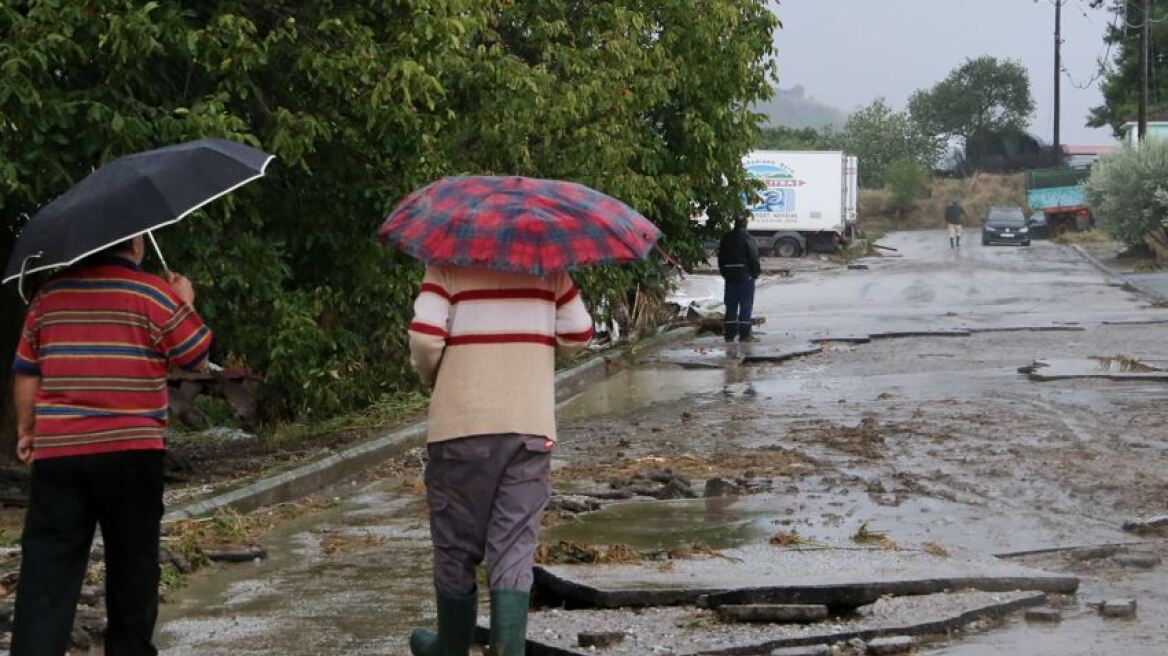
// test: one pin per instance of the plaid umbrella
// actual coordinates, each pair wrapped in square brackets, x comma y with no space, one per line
[517,224]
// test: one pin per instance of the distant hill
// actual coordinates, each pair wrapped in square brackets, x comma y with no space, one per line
[795,109]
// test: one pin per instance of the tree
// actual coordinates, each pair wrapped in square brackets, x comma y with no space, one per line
[1127,191]
[362,102]
[908,181]
[1121,76]
[787,138]
[982,97]
[878,136]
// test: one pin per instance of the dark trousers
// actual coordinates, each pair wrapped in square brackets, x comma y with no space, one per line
[69,497]
[739,299]
[486,494]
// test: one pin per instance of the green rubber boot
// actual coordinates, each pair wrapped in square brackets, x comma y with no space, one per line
[457,617]
[509,622]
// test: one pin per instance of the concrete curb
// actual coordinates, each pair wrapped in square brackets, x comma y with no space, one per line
[1119,277]
[328,470]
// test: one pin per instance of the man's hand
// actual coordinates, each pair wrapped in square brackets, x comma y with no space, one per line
[24,447]
[182,287]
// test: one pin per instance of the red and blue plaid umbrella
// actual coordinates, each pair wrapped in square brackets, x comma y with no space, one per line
[517,224]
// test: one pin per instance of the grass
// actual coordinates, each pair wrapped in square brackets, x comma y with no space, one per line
[574,553]
[390,410]
[867,536]
[977,194]
[1084,237]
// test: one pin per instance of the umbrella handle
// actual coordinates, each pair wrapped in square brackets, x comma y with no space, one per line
[23,271]
[157,250]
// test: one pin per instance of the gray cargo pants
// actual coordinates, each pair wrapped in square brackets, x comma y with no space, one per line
[486,494]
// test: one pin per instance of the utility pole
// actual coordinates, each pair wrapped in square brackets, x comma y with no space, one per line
[1144,41]
[1058,73]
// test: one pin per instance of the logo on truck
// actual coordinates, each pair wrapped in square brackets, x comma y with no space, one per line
[780,182]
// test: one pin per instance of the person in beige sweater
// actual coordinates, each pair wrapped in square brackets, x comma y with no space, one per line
[486,341]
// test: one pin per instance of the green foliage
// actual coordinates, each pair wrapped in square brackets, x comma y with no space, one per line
[984,96]
[907,181]
[880,136]
[786,138]
[1120,85]
[363,102]
[1127,191]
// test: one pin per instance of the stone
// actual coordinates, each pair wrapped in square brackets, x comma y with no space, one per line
[91,595]
[892,645]
[599,639]
[1145,526]
[720,487]
[773,613]
[1118,608]
[1044,614]
[80,639]
[659,475]
[615,495]
[808,650]
[237,554]
[1137,560]
[573,504]
[676,489]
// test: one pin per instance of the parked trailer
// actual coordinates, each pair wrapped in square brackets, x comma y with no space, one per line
[808,203]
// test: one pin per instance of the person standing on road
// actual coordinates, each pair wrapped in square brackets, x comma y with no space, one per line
[739,264]
[486,342]
[954,214]
[91,403]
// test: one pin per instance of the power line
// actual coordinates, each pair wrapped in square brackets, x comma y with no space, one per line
[1104,63]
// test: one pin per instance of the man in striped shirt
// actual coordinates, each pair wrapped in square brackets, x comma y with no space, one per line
[487,341]
[91,401]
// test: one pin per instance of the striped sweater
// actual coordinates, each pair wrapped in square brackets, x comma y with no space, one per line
[487,341]
[102,338]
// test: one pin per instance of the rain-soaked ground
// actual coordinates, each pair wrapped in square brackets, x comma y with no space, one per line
[934,441]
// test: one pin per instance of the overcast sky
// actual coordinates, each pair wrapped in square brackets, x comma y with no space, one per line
[848,52]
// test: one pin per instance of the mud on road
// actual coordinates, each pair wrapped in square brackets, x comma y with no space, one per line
[938,444]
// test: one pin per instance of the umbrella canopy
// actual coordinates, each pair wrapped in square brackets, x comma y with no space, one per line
[131,196]
[517,224]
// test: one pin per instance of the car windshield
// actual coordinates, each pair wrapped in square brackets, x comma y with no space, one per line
[1007,215]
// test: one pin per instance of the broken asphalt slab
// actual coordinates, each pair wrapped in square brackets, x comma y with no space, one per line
[687,631]
[763,574]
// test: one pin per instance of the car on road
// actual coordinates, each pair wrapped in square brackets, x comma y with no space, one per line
[1005,224]
[1039,226]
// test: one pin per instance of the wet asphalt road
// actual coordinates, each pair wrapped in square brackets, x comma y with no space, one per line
[963,451]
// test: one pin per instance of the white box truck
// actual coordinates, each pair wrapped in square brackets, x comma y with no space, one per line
[808,203]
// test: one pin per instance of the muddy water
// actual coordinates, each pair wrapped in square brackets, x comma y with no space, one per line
[830,516]
[927,439]
[351,580]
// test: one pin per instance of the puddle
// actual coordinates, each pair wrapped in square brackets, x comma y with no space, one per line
[638,388]
[305,601]
[828,518]
[1110,368]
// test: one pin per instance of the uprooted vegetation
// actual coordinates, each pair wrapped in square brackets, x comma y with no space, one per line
[574,553]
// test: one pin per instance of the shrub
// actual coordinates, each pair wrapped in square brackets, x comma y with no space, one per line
[1127,192]
[907,181]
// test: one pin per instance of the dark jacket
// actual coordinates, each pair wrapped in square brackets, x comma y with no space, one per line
[738,256]
[954,213]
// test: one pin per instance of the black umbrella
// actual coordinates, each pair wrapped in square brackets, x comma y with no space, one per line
[132,196]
